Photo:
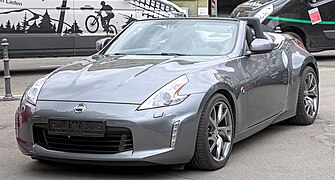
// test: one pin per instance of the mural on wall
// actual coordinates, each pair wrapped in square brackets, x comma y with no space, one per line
[107,19]
[92,21]
[36,24]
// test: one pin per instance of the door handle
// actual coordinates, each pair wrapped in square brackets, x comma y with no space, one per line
[87,7]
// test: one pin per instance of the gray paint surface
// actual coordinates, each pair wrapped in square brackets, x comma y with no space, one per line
[270,96]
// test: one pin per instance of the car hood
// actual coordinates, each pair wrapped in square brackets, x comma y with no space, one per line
[117,79]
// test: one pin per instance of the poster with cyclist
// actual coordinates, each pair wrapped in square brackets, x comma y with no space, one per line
[73,16]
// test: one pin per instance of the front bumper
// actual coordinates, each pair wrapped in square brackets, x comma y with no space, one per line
[151,130]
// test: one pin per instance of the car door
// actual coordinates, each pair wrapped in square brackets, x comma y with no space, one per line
[322,35]
[266,85]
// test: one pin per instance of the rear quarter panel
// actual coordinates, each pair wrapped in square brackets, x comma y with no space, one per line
[298,59]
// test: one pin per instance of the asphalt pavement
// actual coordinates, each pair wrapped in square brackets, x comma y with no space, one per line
[277,152]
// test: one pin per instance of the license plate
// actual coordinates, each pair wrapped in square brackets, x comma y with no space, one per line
[76,128]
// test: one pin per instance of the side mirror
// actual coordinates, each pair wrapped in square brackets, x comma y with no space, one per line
[262,46]
[101,43]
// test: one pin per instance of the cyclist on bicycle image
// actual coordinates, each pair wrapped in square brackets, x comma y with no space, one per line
[105,19]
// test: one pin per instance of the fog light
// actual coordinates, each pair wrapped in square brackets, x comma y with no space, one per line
[175,127]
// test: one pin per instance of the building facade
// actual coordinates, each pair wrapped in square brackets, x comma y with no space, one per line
[194,8]
[204,8]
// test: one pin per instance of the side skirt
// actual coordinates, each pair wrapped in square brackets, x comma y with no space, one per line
[256,128]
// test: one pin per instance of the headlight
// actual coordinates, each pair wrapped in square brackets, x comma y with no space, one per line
[168,95]
[264,12]
[34,90]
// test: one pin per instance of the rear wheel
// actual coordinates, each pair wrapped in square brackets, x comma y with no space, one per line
[112,30]
[308,98]
[215,134]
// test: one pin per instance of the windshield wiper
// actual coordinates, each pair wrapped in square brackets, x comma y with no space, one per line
[98,56]
[164,54]
[119,54]
[174,54]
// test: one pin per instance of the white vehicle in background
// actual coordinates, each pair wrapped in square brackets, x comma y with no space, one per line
[71,27]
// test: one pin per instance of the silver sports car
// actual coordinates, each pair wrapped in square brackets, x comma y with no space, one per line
[169,92]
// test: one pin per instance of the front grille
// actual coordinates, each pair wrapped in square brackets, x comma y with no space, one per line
[115,140]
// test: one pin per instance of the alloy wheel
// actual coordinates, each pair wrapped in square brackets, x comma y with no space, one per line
[311,95]
[220,131]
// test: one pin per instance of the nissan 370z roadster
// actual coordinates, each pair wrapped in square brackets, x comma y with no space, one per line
[169,92]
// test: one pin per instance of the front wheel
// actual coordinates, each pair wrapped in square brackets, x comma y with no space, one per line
[215,135]
[112,30]
[308,98]
[92,24]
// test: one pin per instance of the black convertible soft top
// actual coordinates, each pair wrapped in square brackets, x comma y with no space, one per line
[254,23]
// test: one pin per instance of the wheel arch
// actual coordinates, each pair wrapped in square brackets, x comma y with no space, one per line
[299,32]
[309,62]
[229,96]
[222,89]
[225,90]
[312,65]
[298,117]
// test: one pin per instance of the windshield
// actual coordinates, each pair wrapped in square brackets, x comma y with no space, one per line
[176,37]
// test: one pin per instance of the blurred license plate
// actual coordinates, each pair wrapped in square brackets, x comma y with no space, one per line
[76,128]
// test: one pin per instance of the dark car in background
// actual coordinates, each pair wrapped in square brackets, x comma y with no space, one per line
[293,17]
[226,7]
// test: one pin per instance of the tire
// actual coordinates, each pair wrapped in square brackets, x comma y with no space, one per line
[92,24]
[112,30]
[298,38]
[208,155]
[308,98]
